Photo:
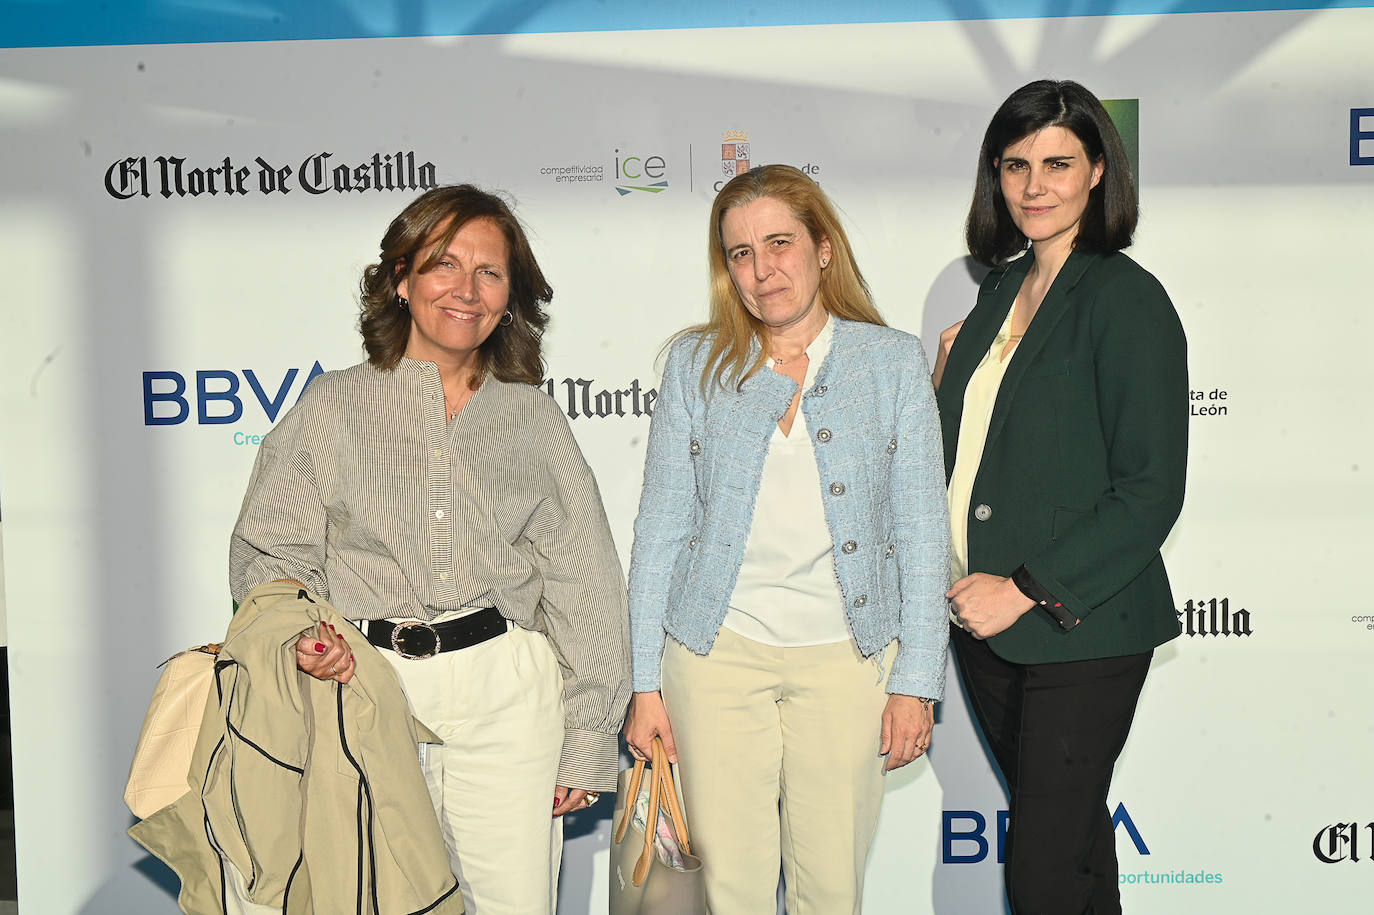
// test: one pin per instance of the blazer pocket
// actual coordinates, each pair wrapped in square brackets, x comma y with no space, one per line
[1065,518]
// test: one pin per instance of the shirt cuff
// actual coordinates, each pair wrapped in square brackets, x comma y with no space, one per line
[591,760]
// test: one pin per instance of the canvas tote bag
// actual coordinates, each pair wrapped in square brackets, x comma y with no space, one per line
[167,740]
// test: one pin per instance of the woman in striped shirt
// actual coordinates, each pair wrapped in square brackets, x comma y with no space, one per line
[437,494]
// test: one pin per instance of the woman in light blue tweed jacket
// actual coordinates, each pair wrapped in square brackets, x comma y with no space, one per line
[791,555]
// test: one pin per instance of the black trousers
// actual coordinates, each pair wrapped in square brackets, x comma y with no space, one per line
[1056,730]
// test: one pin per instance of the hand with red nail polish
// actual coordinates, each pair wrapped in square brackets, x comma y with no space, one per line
[324,654]
[567,799]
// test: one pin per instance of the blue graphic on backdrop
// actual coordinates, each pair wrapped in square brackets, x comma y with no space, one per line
[968,830]
[218,395]
[1358,135]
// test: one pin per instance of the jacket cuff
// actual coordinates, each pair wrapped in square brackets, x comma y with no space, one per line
[1027,585]
[591,760]
[904,682]
[646,669]
[647,682]
[920,689]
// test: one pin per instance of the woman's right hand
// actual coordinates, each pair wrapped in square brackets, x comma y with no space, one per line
[323,653]
[648,719]
[942,354]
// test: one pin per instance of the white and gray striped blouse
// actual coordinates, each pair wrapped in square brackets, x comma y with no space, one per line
[366,495]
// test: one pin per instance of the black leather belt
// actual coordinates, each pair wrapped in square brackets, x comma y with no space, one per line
[418,639]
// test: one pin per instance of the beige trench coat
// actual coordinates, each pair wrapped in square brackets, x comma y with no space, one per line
[311,789]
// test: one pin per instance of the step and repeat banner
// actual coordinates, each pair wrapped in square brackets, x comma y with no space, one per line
[190,194]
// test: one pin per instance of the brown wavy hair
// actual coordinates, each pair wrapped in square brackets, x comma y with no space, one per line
[730,330]
[416,239]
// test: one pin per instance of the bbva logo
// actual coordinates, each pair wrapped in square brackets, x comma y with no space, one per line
[166,401]
[968,828]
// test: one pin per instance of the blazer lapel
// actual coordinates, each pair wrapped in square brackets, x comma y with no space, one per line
[977,334]
[1058,301]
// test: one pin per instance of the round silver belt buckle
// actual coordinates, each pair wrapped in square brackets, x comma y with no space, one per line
[413,624]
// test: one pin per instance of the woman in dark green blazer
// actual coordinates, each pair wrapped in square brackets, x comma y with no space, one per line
[1064,402]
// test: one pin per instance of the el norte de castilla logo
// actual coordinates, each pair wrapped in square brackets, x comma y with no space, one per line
[318,173]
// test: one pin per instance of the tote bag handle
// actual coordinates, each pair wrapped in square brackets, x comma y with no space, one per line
[661,788]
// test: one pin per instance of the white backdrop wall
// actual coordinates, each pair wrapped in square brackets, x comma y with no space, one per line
[1243,788]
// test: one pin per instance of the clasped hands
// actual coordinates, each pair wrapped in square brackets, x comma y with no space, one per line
[985,605]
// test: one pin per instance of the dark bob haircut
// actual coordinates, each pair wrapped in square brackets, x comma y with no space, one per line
[414,242]
[1109,221]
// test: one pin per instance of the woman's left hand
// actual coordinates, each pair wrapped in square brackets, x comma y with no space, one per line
[987,604]
[566,800]
[907,726]
[324,654]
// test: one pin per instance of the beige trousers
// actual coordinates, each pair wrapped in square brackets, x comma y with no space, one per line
[778,755]
[498,707]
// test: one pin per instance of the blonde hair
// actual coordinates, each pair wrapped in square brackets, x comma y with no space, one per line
[731,329]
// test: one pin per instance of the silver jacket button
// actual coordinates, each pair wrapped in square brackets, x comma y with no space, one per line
[891,550]
[849,546]
[695,447]
[692,544]
[837,489]
[982,511]
[861,600]
[892,447]
[823,435]
[820,391]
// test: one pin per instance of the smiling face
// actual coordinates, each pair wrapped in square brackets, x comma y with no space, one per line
[775,265]
[1046,178]
[457,303]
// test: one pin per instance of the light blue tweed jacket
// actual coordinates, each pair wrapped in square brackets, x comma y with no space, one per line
[871,415]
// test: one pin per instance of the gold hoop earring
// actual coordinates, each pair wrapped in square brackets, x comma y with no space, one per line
[507,319]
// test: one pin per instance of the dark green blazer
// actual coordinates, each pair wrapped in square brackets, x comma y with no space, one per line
[1082,474]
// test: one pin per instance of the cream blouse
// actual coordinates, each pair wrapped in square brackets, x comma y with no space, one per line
[787,593]
[979,398]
